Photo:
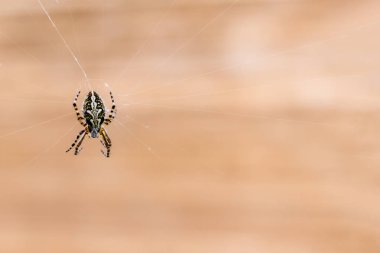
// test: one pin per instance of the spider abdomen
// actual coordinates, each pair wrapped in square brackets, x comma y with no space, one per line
[94,113]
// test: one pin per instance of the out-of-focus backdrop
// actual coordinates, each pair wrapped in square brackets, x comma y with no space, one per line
[242,126]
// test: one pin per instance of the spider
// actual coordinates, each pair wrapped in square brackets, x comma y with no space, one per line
[92,117]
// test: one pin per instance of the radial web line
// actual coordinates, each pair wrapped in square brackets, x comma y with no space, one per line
[229,90]
[33,100]
[232,114]
[248,63]
[22,49]
[66,44]
[192,38]
[35,158]
[145,43]
[137,122]
[224,91]
[139,140]
[35,125]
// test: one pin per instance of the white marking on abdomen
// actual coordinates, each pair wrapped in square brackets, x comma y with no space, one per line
[90,112]
[93,98]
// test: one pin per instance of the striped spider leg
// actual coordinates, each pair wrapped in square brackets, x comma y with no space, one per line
[112,113]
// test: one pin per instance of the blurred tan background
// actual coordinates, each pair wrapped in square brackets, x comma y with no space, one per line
[244,126]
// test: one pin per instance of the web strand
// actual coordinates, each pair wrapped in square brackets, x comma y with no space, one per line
[263,117]
[66,44]
[191,39]
[145,43]
[148,148]
[35,125]
[248,63]
[49,148]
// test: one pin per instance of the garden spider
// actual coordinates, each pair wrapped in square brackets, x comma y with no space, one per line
[92,117]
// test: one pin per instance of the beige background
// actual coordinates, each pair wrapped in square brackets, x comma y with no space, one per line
[248,126]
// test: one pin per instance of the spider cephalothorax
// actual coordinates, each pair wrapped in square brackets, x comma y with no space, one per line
[92,118]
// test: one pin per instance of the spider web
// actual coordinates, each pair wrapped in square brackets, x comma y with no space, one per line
[210,22]
[226,110]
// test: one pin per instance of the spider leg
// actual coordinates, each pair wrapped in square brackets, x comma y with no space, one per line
[76,140]
[112,113]
[106,142]
[78,148]
[79,116]
[102,142]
